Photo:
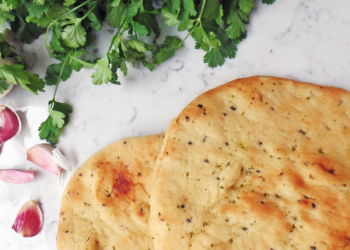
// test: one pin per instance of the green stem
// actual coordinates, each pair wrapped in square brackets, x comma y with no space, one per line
[126,46]
[60,75]
[197,23]
[117,34]
[54,21]
[90,10]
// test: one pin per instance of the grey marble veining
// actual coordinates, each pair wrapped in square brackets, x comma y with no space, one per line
[304,40]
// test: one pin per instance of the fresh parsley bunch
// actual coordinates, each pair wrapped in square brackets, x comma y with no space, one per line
[217,26]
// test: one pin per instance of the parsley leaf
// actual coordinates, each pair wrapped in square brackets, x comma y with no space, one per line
[3,86]
[15,74]
[55,43]
[187,9]
[102,72]
[38,10]
[5,48]
[213,11]
[186,25]
[171,44]
[246,5]
[236,25]
[26,32]
[78,64]
[214,58]
[53,72]
[4,16]
[95,20]
[170,18]
[115,14]
[74,35]
[49,132]
[268,1]
[58,118]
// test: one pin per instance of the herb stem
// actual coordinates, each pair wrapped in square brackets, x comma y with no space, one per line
[197,23]
[60,75]
[90,10]
[116,34]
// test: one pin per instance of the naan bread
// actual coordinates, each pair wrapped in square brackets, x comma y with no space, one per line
[257,163]
[106,203]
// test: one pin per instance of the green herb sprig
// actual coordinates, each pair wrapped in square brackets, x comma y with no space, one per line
[216,26]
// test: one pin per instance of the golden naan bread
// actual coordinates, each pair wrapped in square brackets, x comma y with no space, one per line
[257,163]
[106,203]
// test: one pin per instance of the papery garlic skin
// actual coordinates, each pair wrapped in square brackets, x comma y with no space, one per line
[11,124]
[16,176]
[61,160]
[29,220]
[41,155]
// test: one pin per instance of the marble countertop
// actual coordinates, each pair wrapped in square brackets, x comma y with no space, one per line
[306,40]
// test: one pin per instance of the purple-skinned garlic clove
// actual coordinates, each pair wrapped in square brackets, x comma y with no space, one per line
[29,220]
[16,176]
[11,124]
[48,157]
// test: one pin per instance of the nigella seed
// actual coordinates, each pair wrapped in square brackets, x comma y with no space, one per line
[187,118]
[260,143]
[233,108]
[227,143]
[302,132]
[104,205]
[313,248]
[206,160]
[272,109]
[67,232]
[225,114]
[183,206]
[245,229]
[313,205]
[277,196]
[262,202]
[258,171]
[80,175]
[139,174]
[200,106]
[188,220]
[189,143]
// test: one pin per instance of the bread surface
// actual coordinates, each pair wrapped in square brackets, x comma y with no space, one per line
[106,203]
[257,163]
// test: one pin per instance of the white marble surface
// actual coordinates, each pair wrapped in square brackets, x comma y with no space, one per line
[308,40]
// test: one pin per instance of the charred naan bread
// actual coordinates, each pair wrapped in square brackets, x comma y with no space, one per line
[257,163]
[106,202]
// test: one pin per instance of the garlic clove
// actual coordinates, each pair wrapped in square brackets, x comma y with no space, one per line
[41,155]
[29,220]
[11,124]
[16,176]
[48,157]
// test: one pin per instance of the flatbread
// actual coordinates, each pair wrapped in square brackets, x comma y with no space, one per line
[106,203]
[257,163]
